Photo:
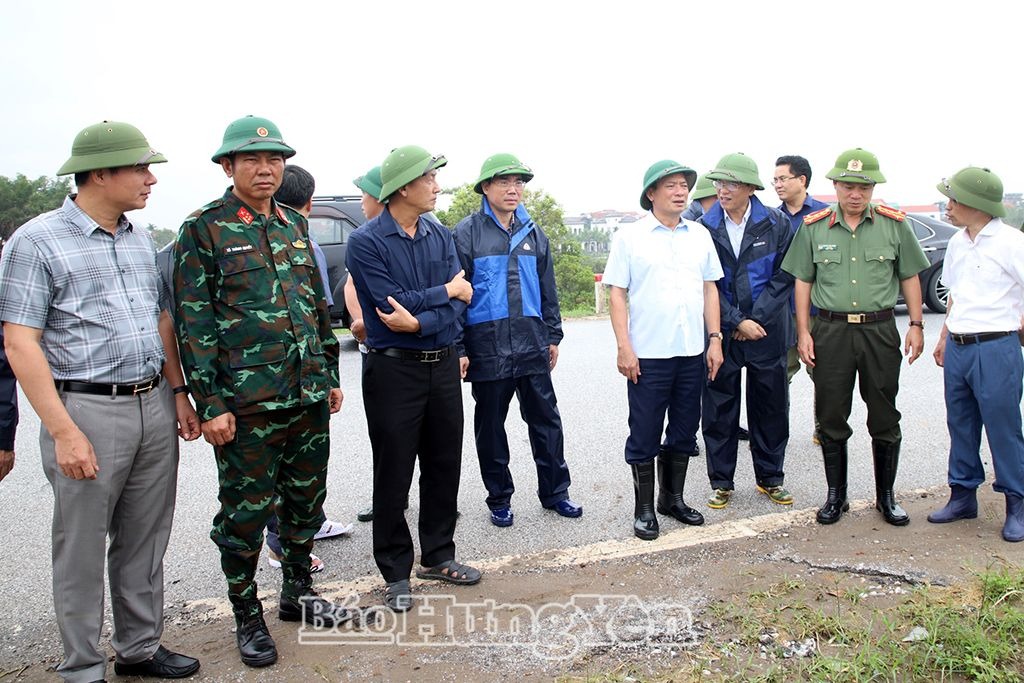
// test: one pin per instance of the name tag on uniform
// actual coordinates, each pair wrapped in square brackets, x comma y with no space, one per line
[828,247]
[235,250]
[759,244]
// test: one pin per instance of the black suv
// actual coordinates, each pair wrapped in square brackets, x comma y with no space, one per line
[331,221]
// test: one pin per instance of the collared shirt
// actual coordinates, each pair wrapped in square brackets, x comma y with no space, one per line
[664,271]
[854,271]
[735,230]
[985,277]
[95,296]
[385,262]
[810,205]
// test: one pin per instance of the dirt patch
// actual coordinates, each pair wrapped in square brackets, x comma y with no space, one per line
[763,591]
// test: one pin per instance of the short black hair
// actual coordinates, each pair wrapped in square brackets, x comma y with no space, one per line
[297,187]
[82,177]
[798,166]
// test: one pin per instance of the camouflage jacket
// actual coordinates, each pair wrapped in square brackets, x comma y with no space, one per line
[252,321]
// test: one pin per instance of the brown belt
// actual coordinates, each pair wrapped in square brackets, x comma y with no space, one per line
[856,318]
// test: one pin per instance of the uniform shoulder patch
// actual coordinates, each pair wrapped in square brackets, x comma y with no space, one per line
[890,212]
[817,215]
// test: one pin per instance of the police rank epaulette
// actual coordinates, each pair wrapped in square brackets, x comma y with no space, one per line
[890,212]
[817,215]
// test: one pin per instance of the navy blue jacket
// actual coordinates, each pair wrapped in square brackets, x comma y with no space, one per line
[8,400]
[384,261]
[755,286]
[514,315]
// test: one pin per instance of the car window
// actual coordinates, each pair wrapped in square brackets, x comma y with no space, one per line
[328,230]
[921,231]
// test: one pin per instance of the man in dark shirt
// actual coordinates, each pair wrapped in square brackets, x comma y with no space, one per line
[405,267]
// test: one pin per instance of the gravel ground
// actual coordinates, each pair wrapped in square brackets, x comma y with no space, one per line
[593,404]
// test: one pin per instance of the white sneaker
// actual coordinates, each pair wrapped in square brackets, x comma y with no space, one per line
[315,563]
[331,529]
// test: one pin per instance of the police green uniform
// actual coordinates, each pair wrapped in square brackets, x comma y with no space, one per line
[855,278]
[256,341]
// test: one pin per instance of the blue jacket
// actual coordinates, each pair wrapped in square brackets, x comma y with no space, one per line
[755,286]
[514,315]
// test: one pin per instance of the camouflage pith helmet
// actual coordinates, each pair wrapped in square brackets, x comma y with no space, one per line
[252,134]
[370,182]
[663,169]
[856,166]
[109,144]
[501,164]
[978,188]
[704,188]
[405,165]
[736,168]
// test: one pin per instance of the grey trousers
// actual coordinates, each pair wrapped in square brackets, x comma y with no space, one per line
[131,501]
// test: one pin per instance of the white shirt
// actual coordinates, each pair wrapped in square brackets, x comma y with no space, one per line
[735,230]
[985,279]
[664,272]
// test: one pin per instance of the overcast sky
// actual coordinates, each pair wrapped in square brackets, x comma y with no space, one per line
[587,93]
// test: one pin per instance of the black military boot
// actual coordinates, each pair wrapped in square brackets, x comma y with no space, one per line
[300,601]
[255,645]
[887,461]
[835,456]
[645,524]
[672,468]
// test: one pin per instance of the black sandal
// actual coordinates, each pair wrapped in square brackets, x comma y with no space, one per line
[452,572]
[397,596]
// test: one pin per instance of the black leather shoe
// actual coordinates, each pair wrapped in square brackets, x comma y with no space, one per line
[313,609]
[255,645]
[163,664]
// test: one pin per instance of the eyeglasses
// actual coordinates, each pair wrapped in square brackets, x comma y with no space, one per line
[726,185]
[783,178]
[505,182]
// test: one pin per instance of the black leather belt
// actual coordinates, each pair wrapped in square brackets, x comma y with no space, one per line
[856,318]
[420,356]
[962,339]
[108,389]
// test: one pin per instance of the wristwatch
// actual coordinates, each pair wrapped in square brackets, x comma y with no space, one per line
[917,323]
[715,335]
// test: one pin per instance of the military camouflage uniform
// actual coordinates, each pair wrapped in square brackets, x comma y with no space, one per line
[256,341]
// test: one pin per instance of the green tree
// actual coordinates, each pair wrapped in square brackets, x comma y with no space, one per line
[22,199]
[573,277]
[161,236]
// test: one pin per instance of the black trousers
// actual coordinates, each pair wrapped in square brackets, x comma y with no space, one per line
[539,408]
[767,415]
[413,408]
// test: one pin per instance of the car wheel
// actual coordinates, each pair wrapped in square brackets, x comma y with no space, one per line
[937,294]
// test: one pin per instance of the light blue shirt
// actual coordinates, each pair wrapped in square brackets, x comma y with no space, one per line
[664,272]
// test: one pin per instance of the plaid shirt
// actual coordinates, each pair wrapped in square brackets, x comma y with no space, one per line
[95,296]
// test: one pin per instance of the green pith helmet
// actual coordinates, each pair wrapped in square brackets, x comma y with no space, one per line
[856,166]
[978,188]
[252,134]
[662,169]
[370,182]
[405,165]
[501,164]
[737,168]
[704,188]
[109,144]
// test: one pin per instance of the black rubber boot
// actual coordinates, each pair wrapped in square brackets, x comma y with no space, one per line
[963,504]
[1013,528]
[887,461]
[255,645]
[645,524]
[836,460]
[672,468]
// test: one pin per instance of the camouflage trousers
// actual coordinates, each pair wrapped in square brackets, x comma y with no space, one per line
[278,457]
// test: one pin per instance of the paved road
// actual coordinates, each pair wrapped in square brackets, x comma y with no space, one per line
[592,399]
